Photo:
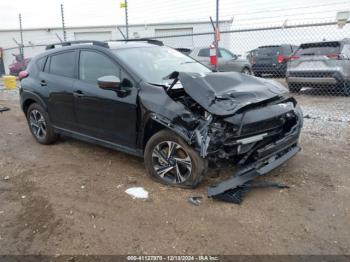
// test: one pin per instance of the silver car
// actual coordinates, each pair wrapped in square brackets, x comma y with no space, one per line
[227,61]
[323,64]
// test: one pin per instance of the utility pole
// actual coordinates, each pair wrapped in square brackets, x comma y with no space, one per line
[126,19]
[63,26]
[217,27]
[21,34]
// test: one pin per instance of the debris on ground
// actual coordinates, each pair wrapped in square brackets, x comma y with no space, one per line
[4,108]
[195,200]
[236,195]
[131,180]
[137,192]
[6,177]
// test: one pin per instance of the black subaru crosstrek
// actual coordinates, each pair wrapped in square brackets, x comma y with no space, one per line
[149,100]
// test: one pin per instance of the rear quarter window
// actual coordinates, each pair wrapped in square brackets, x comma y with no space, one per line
[41,63]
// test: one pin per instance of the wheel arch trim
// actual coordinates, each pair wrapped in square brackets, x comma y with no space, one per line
[26,96]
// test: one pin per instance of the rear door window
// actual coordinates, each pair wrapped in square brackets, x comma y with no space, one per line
[62,64]
[319,49]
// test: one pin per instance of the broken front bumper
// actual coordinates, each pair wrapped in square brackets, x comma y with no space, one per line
[270,157]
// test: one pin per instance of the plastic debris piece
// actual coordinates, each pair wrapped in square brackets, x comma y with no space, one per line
[195,200]
[3,109]
[235,195]
[137,192]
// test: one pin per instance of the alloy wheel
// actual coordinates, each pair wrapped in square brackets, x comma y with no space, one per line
[37,124]
[171,162]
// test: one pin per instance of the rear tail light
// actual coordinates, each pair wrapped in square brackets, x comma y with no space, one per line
[22,75]
[280,59]
[334,56]
[294,57]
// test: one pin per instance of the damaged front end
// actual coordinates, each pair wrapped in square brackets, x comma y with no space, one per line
[230,119]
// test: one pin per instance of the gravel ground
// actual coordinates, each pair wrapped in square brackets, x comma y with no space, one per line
[69,198]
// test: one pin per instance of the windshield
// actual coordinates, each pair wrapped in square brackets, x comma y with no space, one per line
[154,63]
[319,49]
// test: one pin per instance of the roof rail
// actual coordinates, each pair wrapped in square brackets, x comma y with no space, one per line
[148,40]
[69,43]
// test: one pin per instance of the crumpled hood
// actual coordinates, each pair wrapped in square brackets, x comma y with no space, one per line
[225,93]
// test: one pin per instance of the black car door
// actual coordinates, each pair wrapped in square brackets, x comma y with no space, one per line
[57,78]
[103,114]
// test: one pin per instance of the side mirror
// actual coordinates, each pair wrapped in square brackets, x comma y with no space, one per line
[234,57]
[112,83]
[109,82]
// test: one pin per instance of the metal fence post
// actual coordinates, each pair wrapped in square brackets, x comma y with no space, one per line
[21,51]
[63,25]
[126,19]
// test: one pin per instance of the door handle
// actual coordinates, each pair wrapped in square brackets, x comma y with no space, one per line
[78,93]
[43,83]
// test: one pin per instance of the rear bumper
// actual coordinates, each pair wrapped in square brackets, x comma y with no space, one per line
[312,80]
[280,69]
[316,77]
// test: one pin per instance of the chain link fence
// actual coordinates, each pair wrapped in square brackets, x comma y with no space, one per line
[308,58]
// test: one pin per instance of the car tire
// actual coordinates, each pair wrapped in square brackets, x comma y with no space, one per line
[246,71]
[294,88]
[40,125]
[182,168]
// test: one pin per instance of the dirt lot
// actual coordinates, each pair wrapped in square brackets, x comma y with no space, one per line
[69,198]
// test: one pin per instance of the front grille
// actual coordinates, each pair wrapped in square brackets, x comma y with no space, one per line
[260,127]
[283,123]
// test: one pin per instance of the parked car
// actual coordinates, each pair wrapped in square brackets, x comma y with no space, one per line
[227,61]
[272,59]
[152,101]
[321,64]
[18,65]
